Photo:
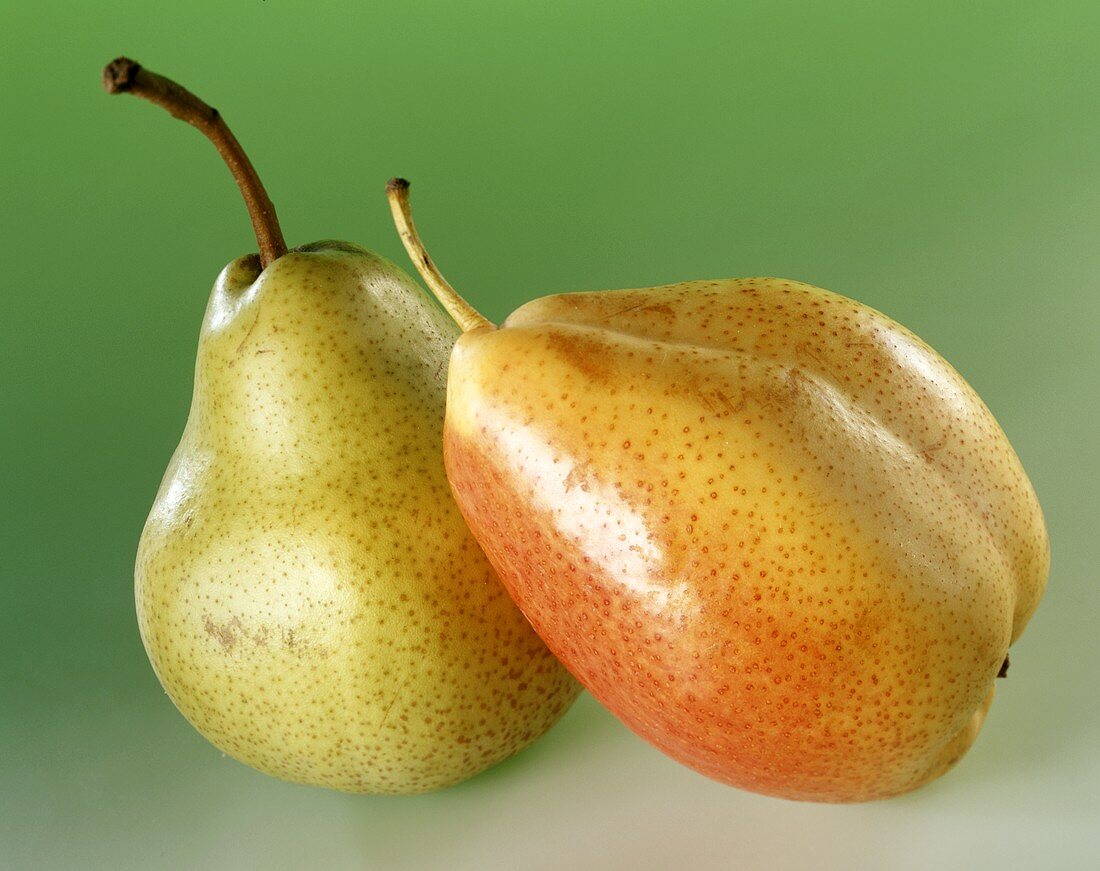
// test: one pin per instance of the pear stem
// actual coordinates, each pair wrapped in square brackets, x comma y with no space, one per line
[464,314]
[124,76]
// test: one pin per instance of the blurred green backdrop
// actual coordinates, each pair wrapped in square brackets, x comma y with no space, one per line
[938,160]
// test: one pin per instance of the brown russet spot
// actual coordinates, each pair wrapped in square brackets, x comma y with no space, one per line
[224,633]
[584,352]
[577,476]
[929,450]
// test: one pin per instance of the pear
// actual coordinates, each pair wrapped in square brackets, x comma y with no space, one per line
[307,591]
[769,528]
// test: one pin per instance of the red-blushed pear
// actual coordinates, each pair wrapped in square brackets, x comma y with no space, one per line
[768,527]
[307,591]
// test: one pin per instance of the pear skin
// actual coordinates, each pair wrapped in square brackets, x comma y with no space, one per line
[307,591]
[768,527]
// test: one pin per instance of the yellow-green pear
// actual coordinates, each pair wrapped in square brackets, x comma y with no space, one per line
[307,591]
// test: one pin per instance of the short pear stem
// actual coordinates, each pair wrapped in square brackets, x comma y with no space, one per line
[124,76]
[464,314]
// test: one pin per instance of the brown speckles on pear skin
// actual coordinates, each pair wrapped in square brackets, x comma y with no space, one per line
[769,528]
[308,593]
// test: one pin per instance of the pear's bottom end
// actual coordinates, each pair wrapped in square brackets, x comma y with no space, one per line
[954,750]
[442,765]
[872,788]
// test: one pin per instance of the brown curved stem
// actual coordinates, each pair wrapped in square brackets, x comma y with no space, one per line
[124,76]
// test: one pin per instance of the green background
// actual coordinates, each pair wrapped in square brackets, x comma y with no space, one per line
[939,161]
